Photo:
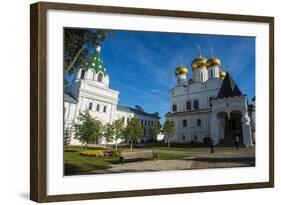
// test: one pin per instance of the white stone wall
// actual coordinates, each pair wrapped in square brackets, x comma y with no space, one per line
[181,80]
[213,72]
[123,114]
[191,132]
[200,75]
[90,90]
[194,91]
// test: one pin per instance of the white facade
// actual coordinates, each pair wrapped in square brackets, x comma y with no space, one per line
[209,106]
[90,91]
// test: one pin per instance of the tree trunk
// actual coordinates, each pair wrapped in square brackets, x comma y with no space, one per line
[169,143]
[86,145]
[74,60]
[131,147]
[116,145]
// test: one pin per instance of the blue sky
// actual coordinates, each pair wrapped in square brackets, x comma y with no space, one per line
[141,65]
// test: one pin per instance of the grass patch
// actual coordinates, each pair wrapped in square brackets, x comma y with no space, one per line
[74,163]
[169,156]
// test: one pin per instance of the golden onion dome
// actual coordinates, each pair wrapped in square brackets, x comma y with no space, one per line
[181,70]
[222,74]
[213,61]
[199,62]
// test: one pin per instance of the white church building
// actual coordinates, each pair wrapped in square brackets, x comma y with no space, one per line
[210,104]
[90,91]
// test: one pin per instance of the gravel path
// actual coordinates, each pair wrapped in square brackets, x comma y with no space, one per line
[199,159]
[153,165]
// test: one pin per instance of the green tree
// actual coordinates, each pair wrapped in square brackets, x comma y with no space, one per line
[133,131]
[168,130]
[87,130]
[108,132]
[153,131]
[76,44]
[118,129]
[66,137]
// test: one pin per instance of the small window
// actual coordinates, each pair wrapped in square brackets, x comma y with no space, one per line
[198,123]
[90,106]
[183,138]
[100,77]
[184,123]
[174,108]
[196,104]
[104,108]
[82,75]
[98,107]
[188,105]
[145,122]
[142,122]
[210,101]
[123,119]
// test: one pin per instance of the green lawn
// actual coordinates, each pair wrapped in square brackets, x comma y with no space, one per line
[74,163]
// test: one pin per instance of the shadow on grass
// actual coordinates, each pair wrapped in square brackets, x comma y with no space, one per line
[72,169]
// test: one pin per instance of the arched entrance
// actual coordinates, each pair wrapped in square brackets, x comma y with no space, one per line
[235,126]
[229,126]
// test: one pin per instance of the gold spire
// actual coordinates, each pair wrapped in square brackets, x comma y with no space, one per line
[213,61]
[222,74]
[181,70]
[199,62]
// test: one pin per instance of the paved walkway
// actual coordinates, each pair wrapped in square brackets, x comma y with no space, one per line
[199,158]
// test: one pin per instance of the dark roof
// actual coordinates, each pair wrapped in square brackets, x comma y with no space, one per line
[136,111]
[229,88]
[67,97]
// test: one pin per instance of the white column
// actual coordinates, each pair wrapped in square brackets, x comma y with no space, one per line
[215,129]
[246,129]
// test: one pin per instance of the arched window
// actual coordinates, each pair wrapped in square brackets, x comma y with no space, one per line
[188,105]
[196,104]
[104,108]
[90,106]
[198,123]
[174,107]
[100,77]
[82,75]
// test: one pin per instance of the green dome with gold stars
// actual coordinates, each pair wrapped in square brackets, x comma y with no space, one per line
[95,61]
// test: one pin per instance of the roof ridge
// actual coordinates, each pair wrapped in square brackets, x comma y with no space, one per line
[229,88]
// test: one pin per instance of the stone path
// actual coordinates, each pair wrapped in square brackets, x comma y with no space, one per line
[199,158]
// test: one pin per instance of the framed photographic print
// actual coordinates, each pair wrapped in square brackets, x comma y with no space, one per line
[136,102]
